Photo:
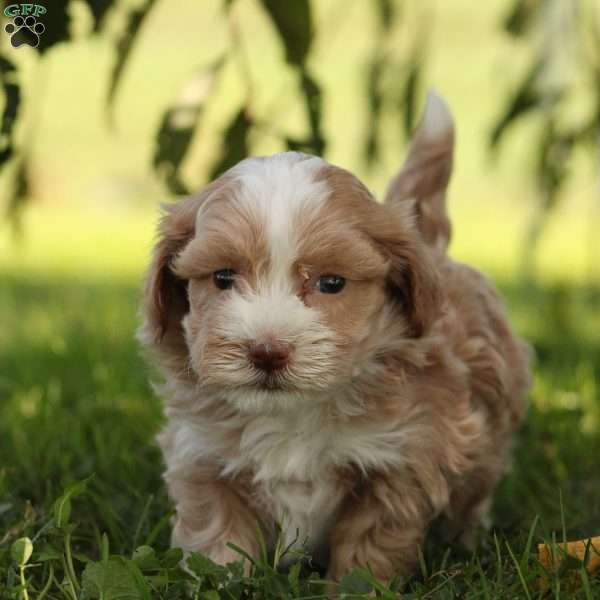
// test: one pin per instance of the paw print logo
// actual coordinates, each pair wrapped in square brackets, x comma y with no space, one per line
[25,31]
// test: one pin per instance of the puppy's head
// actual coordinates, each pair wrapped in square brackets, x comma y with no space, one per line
[268,287]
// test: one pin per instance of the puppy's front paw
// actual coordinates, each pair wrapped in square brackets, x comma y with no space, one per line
[223,555]
[217,551]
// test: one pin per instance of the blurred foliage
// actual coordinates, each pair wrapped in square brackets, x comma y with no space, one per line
[293,24]
[564,70]
[562,37]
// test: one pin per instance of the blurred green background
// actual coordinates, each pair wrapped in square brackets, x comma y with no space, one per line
[75,397]
[91,184]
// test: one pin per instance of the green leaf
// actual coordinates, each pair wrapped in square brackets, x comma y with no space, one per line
[354,583]
[62,506]
[19,190]
[139,579]
[99,8]
[298,145]
[235,143]
[293,21]
[386,10]
[525,98]
[314,106]
[521,16]
[204,567]
[554,151]
[57,22]
[104,547]
[47,553]
[179,124]
[135,20]
[12,103]
[110,580]
[411,93]
[375,102]
[172,558]
[145,558]
[294,578]
[21,551]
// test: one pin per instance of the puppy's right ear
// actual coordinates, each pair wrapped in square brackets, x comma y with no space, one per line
[165,300]
[165,295]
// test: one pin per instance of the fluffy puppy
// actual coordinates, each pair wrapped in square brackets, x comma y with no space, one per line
[327,366]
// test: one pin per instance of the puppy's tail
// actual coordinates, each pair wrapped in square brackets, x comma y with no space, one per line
[425,174]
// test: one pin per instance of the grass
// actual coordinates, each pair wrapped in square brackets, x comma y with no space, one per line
[75,405]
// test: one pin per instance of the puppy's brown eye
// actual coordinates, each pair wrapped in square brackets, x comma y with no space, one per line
[330,284]
[224,278]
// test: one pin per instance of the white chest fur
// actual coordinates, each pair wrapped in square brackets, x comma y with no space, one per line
[294,458]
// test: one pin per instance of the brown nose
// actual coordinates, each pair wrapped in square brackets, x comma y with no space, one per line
[270,356]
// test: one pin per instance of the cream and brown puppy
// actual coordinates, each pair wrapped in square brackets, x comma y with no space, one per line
[327,366]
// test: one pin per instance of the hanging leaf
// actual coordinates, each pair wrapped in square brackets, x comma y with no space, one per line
[375,102]
[56,22]
[520,18]
[296,145]
[314,106]
[293,21]
[235,143]
[411,93]
[19,191]
[12,102]
[386,11]
[125,43]
[99,8]
[525,98]
[179,124]
[554,152]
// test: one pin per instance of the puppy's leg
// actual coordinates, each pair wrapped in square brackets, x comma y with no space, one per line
[381,527]
[470,504]
[211,512]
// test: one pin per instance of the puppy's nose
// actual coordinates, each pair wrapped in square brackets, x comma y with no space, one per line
[270,356]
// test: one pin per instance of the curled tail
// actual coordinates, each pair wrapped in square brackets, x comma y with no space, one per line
[424,176]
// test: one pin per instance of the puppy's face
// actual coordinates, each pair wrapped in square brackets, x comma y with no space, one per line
[279,278]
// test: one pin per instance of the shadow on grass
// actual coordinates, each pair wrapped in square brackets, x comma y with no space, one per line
[75,400]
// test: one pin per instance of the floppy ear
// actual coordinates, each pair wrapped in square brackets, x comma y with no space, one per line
[165,295]
[413,279]
[426,172]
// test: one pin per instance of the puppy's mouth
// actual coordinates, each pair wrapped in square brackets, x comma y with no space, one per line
[272,383]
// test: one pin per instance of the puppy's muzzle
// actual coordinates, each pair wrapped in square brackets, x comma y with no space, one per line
[270,356]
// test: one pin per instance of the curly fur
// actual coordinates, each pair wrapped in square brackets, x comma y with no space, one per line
[402,392]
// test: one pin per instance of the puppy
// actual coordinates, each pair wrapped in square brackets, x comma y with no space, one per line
[328,368]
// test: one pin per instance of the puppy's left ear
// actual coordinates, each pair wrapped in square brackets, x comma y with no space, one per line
[413,278]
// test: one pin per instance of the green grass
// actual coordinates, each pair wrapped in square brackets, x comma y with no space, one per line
[75,402]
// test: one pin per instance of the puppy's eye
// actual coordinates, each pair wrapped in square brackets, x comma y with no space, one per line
[330,284]
[224,278]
